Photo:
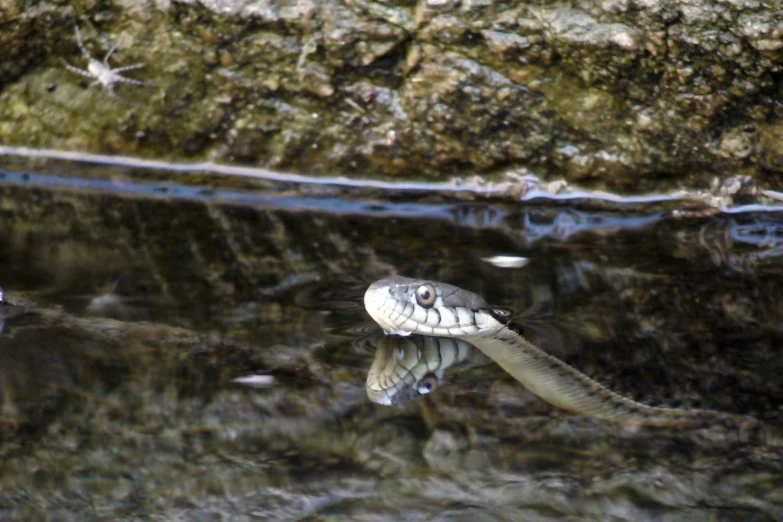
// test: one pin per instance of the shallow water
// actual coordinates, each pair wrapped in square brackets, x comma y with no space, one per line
[118,400]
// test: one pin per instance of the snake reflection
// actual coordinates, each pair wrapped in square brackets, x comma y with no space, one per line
[408,367]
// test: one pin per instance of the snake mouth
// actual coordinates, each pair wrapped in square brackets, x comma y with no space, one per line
[388,303]
[376,299]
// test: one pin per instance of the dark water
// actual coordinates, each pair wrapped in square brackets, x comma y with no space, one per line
[118,400]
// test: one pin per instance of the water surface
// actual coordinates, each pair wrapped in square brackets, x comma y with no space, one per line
[118,400]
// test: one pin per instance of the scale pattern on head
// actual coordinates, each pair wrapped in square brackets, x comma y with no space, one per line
[402,305]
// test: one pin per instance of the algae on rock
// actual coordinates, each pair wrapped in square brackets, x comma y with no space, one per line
[619,94]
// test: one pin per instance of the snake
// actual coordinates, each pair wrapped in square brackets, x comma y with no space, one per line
[405,306]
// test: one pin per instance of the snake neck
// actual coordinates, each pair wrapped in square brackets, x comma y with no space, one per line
[548,377]
[562,385]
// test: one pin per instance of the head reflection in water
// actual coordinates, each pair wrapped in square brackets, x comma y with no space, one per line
[408,367]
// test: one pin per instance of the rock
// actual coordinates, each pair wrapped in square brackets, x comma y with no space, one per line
[639,89]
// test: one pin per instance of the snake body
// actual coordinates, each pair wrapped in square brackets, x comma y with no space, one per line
[410,306]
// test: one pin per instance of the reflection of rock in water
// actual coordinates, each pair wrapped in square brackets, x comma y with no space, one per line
[156,425]
[742,243]
[408,367]
[148,420]
[51,361]
[34,377]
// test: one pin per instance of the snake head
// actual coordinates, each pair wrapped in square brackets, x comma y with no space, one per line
[402,305]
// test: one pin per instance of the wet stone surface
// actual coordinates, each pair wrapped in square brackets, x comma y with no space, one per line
[130,314]
[622,95]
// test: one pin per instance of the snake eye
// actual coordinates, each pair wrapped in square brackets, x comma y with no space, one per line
[425,295]
[427,383]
